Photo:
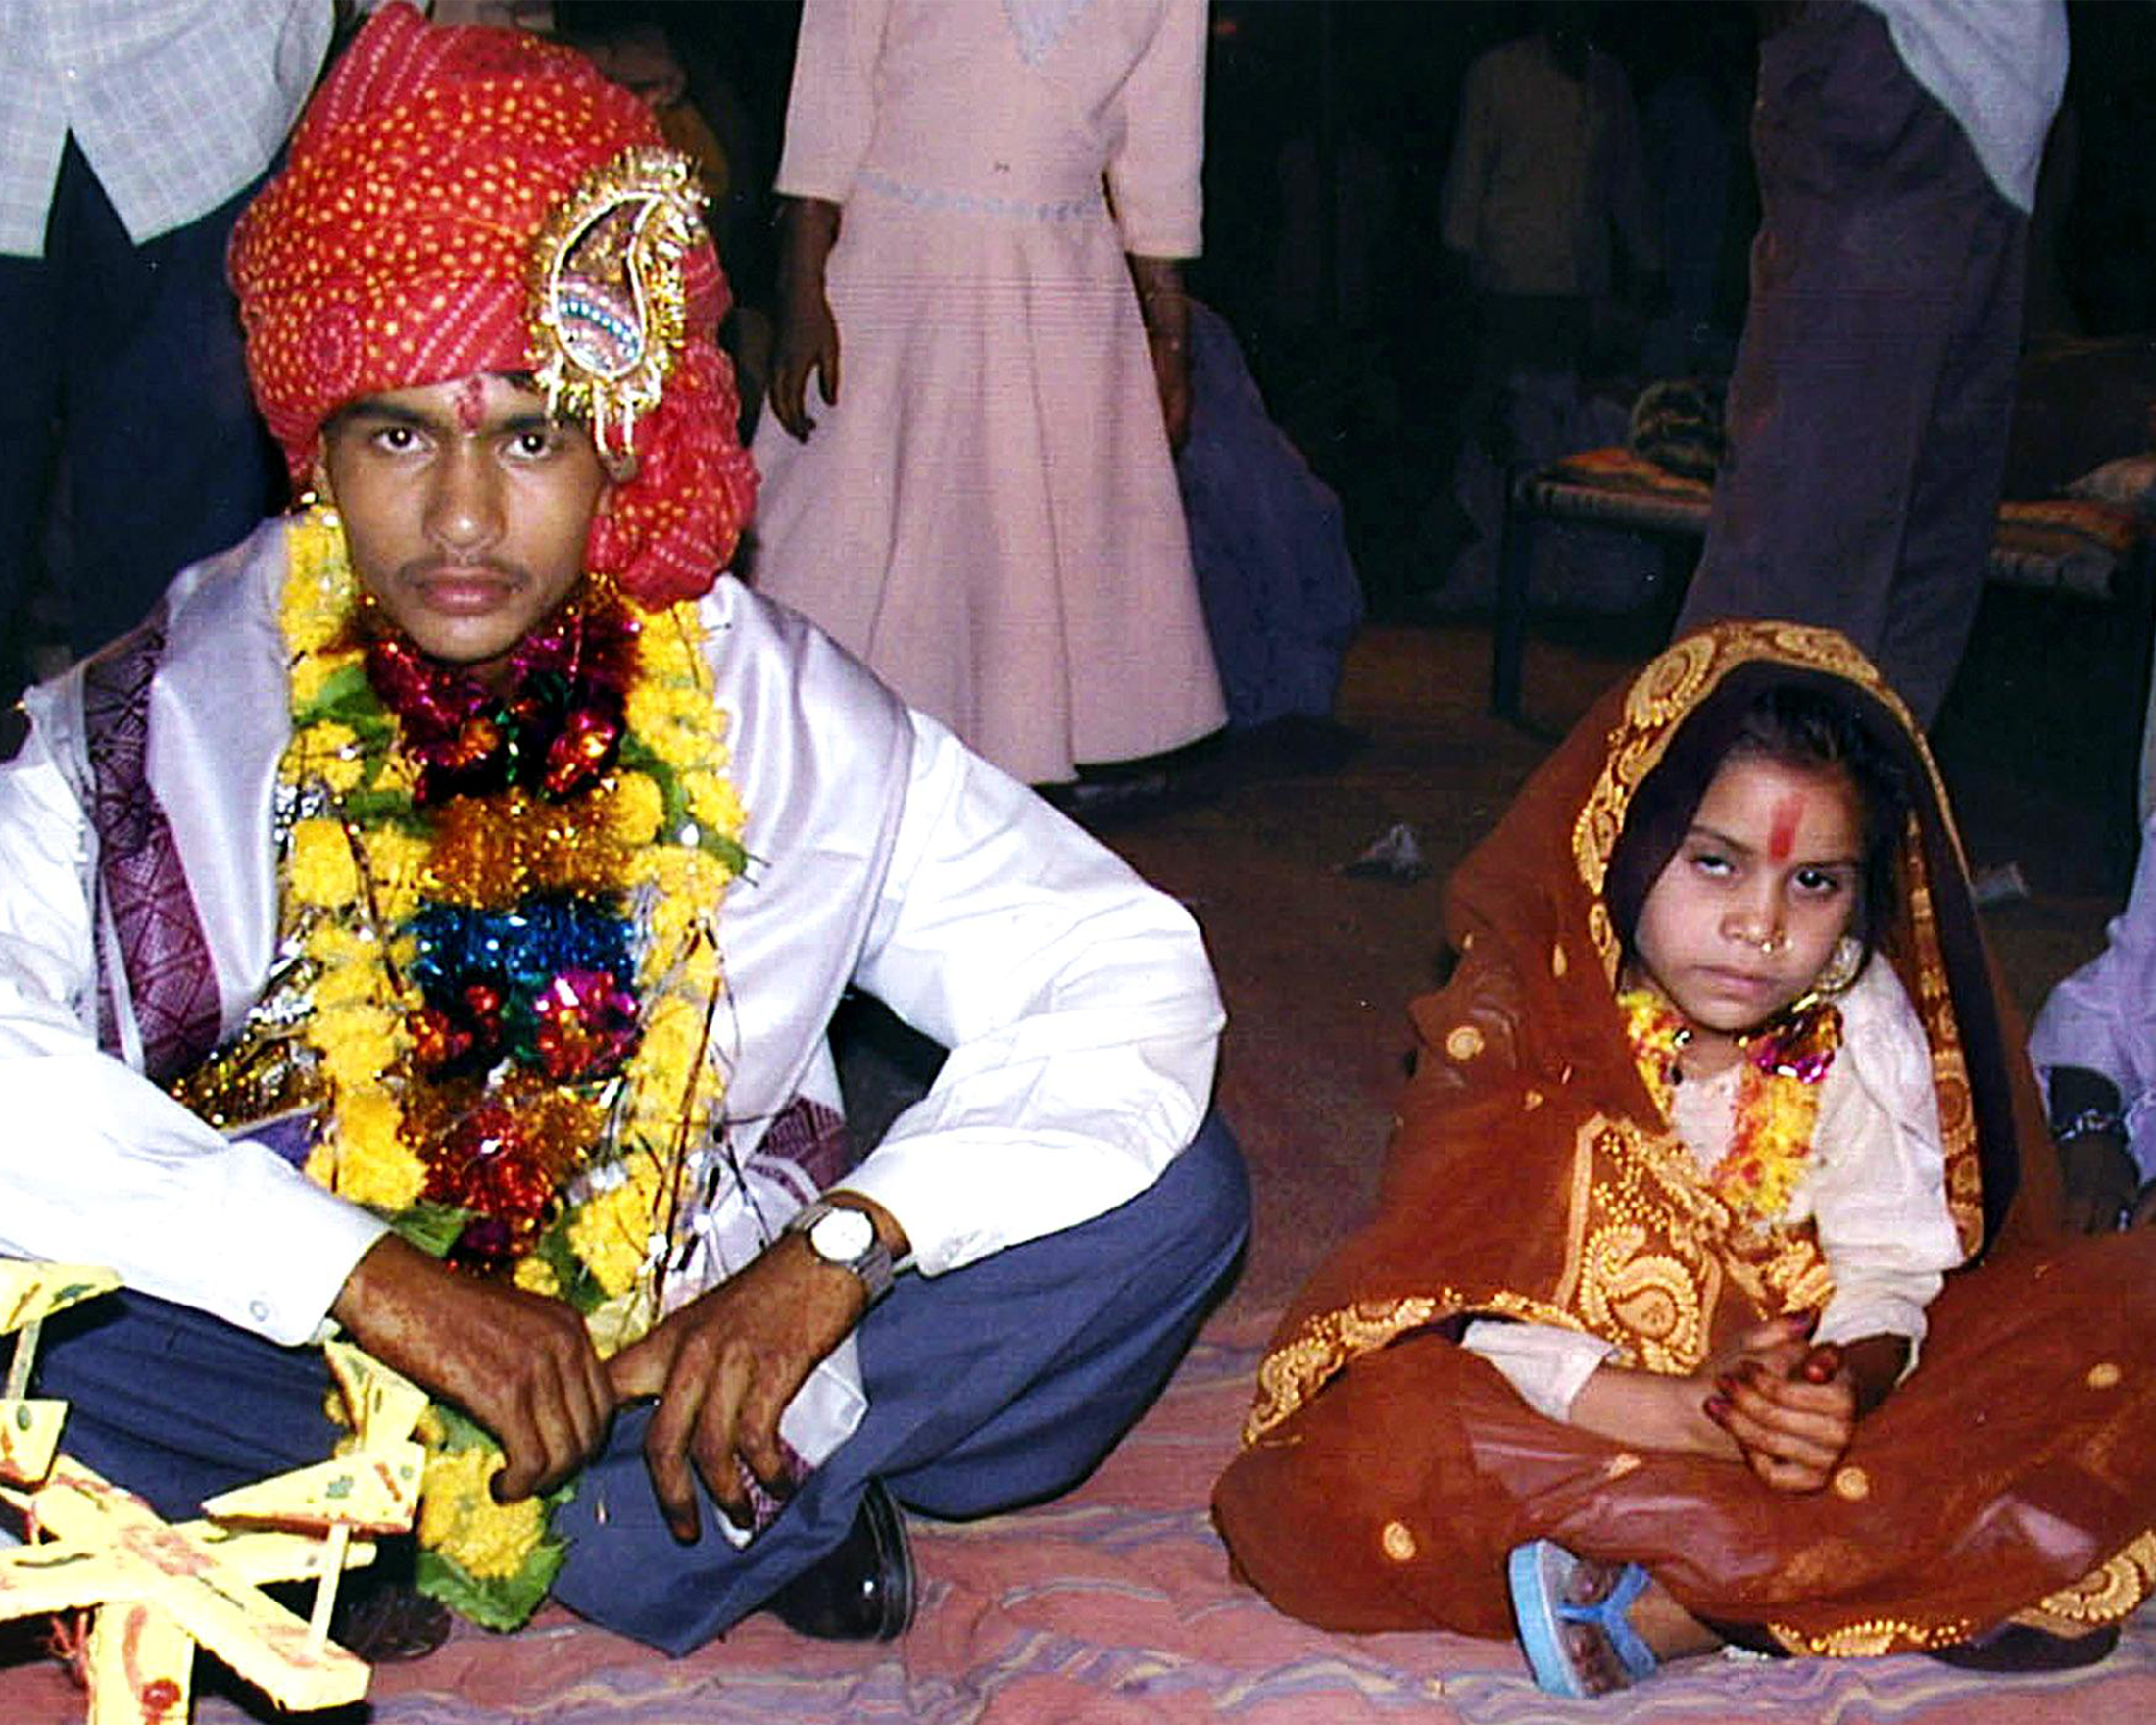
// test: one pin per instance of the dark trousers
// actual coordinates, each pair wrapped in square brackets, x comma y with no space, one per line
[125,362]
[989,1387]
[1867,417]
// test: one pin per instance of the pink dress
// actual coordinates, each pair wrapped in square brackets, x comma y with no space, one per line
[988,515]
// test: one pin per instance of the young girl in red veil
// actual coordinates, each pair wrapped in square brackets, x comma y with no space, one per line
[1716,1292]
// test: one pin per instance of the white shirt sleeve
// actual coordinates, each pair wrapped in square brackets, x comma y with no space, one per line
[1547,1365]
[1077,1002]
[100,1165]
[1877,1188]
[2103,1016]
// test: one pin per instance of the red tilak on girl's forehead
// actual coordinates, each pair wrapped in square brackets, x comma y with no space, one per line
[472,403]
[1781,836]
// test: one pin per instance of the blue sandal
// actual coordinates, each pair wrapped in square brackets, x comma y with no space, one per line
[1541,1572]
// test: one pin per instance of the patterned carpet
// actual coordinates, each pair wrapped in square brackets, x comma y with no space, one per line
[1115,1606]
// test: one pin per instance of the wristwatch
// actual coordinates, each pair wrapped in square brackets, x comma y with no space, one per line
[846,1238]
[2097,1122]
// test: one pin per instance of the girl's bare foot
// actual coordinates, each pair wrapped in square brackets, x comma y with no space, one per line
[1587,1627]
[1669,1630]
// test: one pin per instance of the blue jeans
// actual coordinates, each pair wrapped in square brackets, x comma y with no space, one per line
[989,1387]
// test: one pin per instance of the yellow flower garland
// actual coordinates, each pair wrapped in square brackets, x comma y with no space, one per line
[1778,1105]
[359,862]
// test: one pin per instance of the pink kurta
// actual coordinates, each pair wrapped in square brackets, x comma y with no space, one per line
[989,514]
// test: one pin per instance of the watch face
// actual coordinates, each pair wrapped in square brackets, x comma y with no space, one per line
[842,1236]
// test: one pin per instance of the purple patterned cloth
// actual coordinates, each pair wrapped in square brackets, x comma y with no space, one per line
[814,1139]
[140,882]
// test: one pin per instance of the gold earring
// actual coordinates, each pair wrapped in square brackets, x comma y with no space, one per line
[1842,967]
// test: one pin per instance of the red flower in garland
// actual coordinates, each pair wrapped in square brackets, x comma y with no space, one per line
[557,728]
[587,1025]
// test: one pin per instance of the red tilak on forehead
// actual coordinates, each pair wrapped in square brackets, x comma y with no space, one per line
[472,403]
[1782,838]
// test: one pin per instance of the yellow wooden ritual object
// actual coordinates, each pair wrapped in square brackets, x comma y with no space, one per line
[30,1294]
[160,1589]
[375,1487]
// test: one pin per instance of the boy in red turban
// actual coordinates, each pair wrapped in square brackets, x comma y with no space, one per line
[431,920]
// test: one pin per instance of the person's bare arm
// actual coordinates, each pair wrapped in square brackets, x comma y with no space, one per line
[808,333]
[1660,1410]
[1651,1410]
[1781,1408]
[726,1364]
[520,1364]
[1166,311]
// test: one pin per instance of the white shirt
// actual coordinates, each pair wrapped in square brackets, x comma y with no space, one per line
[2103,1016]
[1077,1002]
[1998,67]
[177,104]
[1543,164]
[1875,1187]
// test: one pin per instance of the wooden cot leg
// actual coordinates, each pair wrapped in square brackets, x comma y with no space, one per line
[1509,637]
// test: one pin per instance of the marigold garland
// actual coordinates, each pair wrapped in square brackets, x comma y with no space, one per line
[505,917]
[1777,1100]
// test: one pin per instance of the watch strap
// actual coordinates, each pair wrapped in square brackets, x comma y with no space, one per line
[872,1266]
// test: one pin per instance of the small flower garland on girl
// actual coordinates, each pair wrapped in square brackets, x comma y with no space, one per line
[504,910]
[1777,1100]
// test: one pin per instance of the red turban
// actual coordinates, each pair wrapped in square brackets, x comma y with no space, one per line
[396,250]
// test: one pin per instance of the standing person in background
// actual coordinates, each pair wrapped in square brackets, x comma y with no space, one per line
[986,509]
[1897,144]
[135,132]
[1547,162]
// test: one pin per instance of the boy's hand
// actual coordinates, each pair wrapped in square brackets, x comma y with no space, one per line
[520,1364]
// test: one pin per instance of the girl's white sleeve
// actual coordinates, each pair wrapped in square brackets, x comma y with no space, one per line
[1877,1188]
[1545,1365]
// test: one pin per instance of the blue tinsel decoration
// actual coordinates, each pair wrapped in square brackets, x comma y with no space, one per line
[524,950]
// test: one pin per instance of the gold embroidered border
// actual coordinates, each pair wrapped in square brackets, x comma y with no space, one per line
[1649,1247]
[2106,1594]
[1935,1004]
[1664,694]
[1291,1374]
[1873,1637]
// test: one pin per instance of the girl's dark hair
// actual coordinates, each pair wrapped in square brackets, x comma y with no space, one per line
[1810,730]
